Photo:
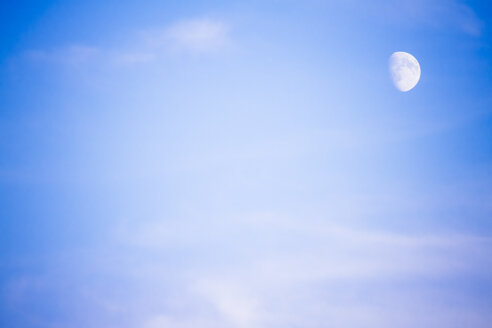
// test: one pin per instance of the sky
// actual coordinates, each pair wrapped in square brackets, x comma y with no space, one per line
[244,164]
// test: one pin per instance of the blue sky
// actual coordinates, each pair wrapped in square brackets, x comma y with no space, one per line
[244,164]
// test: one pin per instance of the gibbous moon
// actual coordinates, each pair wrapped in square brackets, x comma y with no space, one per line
[404,70]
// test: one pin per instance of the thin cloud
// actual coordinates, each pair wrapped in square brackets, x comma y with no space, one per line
[445,14]
[73,54]
[195,36]
[468,20]
[335,251]
[129,58]
[199,35]
[454,15]
[315,284]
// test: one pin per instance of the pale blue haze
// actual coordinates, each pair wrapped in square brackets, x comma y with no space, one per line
[249,164]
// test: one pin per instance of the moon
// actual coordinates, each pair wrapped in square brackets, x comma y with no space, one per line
[404,70]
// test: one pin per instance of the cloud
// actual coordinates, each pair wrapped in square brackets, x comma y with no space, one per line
[317,275]
[73,54]
[195,36]
[335,251]
[231,300]
[128,58]
[198,36]
[268,270]
[166,321]
[448,14]
[453,15]
[467,20]
[190,36]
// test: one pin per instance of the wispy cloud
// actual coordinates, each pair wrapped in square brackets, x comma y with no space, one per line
[195,36]
[267,270]
[287,272]
[454,15]
[198,36]
[447,14]
[190,186]
[73,54]
[128,58]
[468,20]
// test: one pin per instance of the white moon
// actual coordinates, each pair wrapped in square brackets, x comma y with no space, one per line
[404,70]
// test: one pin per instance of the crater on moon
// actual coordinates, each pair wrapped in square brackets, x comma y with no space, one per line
[404,70]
